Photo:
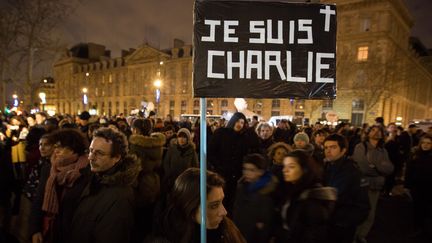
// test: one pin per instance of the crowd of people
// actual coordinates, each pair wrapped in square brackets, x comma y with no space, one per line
[136,179]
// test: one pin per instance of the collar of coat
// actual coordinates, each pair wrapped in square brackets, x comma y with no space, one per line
[320,193]
[156,139]
[124,173]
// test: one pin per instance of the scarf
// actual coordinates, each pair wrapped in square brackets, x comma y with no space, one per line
[64,172]
[262,182]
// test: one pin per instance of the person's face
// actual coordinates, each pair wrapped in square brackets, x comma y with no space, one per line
[391,128]
[100,155]
[375,134]
[412,130]
[319,138]
[300,143]
[169,134]
[426,144]
[215,209]
[251,173]
[15,122]
[31,121]
[265,133]
[62,151]
[282,125]
[181,140]
[292,171]
[45,148]
[332,150]
[279,155]
[238,126]
[40,119]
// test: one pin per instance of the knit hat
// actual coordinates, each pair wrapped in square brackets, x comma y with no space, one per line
[301,136]
[184,132]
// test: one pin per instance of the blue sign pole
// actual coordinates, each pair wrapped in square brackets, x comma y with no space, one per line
[203,169]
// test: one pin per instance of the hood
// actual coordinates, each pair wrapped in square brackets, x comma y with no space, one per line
[320,193]
[156,139]
[186,132]
[124,173]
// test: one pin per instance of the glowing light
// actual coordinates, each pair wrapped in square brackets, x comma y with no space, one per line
[157,83]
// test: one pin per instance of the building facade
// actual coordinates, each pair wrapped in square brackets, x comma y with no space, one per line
[379,73]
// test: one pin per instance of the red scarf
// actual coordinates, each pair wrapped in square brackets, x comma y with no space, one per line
[64,172]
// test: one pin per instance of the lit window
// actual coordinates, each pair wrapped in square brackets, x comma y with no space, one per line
[362,53]
[224,103]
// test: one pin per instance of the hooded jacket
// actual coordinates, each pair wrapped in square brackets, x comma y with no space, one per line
[105,213]
[149,150]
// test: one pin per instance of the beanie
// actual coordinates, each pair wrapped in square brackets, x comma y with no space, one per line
[301,136]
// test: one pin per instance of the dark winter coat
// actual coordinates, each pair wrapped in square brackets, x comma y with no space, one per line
[253,204]
[149,150]
[281,135]
[36,213]
[264,145]
[177,160]
[71,199]
[419,171]
[225,156]
[227,149]
[352,206]
[305,218]
[7,181]
[105,213]
[227,232]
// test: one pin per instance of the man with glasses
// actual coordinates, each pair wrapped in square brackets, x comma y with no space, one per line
[105,212]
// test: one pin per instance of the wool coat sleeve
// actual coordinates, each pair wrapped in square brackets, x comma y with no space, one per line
[36,213]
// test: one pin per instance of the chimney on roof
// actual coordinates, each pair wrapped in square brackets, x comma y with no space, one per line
[178,43]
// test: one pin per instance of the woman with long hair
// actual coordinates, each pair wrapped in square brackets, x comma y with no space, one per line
[180,218]
[308,205]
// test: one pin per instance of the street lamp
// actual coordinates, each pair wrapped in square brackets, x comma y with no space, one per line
[85,98]
[157,83]
[15,100]
[42,96]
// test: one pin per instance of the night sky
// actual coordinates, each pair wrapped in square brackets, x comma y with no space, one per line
[129,23]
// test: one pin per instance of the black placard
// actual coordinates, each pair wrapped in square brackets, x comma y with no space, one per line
[264,50]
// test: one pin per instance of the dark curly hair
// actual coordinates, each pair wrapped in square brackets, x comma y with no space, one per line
[71,138]
[119,141]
